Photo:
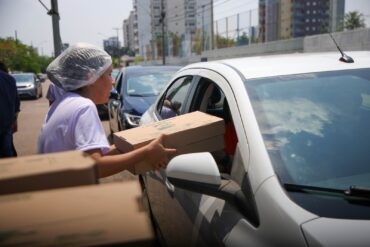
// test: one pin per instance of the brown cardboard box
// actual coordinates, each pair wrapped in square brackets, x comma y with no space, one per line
[192,132]
[79,216]
[47,171]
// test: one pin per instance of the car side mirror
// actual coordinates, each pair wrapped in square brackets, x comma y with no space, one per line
[198,172]
[114,94]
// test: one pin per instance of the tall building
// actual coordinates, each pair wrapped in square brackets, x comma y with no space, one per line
[283,19]
[142,8]
[130,32]
[337,15]
[204,19]
[182,20]
[111,42]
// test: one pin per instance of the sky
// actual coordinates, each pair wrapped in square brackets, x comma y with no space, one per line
[94,20]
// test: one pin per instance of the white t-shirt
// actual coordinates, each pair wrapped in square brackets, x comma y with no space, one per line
[72,123]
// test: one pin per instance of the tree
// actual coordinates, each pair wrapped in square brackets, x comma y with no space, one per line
[223,42]
[242,40]
[176,44]
[353,20]
[20,57]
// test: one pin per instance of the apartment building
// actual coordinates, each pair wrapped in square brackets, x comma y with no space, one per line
[286,19]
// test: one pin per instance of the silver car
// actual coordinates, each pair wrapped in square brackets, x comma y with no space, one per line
[299,172]
[28,85]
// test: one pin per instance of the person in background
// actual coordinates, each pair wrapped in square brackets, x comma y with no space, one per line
[170,109]
[83,71]
[54,93]
[9,109]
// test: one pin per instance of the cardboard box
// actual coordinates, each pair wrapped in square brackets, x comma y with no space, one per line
[46,171]
[80,216]
[192,132]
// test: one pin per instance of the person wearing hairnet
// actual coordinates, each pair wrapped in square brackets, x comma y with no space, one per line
[83,71]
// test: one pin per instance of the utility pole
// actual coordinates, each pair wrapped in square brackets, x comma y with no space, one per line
[117,52]
[237,27]
[212,26]
[56,33]
[16,37]
[202,46]
[163,15]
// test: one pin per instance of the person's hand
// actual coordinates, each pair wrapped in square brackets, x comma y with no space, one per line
[157,154]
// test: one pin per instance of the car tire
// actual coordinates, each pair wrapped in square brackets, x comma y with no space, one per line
[36,95]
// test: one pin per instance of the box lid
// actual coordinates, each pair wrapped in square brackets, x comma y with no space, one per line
[181,130]
[44,163]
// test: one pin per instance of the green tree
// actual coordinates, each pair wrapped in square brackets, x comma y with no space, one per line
[353,20]
[242,40]
[20,57]
[223,42]
[176,43]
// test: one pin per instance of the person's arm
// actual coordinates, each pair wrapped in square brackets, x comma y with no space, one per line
[17,110]
[15,123]
[115,162]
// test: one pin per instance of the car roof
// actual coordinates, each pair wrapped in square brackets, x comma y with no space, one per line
[287,64]
[152,67]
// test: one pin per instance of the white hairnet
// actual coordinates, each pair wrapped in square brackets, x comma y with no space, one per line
[78,66]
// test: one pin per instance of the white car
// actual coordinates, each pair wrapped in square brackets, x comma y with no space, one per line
[300,172]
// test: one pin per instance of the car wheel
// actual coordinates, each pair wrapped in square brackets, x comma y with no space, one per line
[36,94]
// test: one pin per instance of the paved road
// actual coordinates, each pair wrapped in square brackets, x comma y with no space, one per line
[29,124]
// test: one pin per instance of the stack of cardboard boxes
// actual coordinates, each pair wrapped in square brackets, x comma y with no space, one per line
[55,199]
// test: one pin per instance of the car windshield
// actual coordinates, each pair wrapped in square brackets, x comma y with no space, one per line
[23,77]
[316,126]
[147,84]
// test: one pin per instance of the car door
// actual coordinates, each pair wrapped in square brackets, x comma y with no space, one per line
[211,219]
[114,105]
[165,208]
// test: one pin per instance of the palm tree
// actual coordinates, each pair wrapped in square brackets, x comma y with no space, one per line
[353,20]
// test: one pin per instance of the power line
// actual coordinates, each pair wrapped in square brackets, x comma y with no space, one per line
[44,6]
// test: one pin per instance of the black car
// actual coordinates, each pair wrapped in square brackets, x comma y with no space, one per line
[136,88]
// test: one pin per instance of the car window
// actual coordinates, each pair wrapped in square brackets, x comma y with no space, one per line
[147,84]
[316,126]
[23,77]
[118,82]
[208,97]
[173,101]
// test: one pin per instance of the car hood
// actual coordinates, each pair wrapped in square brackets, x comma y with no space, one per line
[24,84]
[337,232]
[138,105]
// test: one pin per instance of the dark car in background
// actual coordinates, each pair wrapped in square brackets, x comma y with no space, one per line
[136,88]
[28,85]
